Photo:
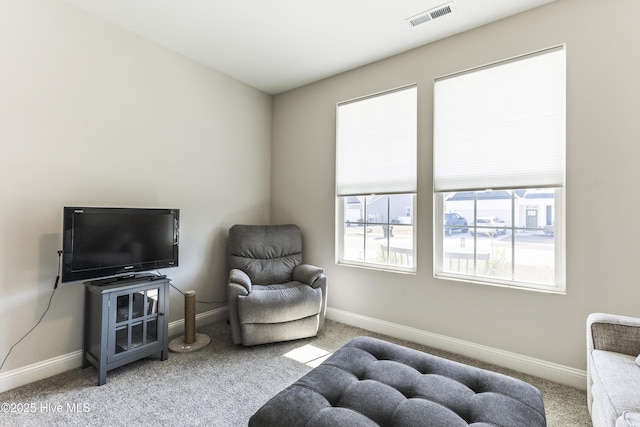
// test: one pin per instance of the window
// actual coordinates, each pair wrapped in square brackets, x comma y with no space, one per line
[376,168]
[499,168]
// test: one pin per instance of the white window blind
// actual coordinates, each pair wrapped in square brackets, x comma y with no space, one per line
[501,125]
[376,144]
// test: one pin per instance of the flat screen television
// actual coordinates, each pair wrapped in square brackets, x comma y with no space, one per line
[99,242]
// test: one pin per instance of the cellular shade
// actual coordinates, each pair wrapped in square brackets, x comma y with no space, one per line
[501,125]
[376,144]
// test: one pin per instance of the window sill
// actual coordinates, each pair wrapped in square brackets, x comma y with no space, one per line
[377,267]
[503,284]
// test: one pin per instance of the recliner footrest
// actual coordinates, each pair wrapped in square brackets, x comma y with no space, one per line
[278,305]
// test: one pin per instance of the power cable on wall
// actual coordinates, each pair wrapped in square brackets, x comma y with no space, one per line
[55,287]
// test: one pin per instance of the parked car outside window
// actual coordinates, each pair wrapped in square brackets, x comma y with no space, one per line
[490,226]
[454,222]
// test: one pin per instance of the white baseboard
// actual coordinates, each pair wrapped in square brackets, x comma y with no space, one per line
[66,362]
[41,370]
[528,365]
[177,326]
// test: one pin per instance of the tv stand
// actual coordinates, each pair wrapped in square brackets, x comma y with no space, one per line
[124,321]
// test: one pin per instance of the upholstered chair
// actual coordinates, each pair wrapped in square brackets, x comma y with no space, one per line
[272,295]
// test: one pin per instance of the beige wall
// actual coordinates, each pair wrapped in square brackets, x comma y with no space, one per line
[603,154]
[92,115]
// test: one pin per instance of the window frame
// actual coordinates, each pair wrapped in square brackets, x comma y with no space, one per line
[559,285]
[476,185]
[341,222]
[378,188]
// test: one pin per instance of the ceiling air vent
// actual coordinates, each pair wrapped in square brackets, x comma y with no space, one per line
[431,14]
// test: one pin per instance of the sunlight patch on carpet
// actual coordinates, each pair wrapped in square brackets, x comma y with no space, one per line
[308,354]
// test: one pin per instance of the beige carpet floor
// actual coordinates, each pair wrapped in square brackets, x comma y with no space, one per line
[219,385]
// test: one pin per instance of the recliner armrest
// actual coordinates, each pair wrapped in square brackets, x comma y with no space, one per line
[307,273]
[241,278]
[612,332]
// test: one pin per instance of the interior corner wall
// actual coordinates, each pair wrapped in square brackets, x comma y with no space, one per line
[93,115]
[603,155]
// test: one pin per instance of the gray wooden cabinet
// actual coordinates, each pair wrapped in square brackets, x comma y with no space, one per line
[125,322]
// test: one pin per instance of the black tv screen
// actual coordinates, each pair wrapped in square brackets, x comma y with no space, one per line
[102,242]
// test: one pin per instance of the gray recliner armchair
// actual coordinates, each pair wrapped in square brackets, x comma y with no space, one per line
[272,295]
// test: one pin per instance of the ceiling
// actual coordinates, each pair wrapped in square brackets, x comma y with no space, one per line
[278,45]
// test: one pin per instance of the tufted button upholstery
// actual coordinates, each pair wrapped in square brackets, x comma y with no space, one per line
[370,382]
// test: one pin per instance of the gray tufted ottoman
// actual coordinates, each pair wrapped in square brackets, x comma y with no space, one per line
[371,382]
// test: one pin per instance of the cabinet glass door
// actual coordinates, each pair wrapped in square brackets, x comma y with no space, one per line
[136,315]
